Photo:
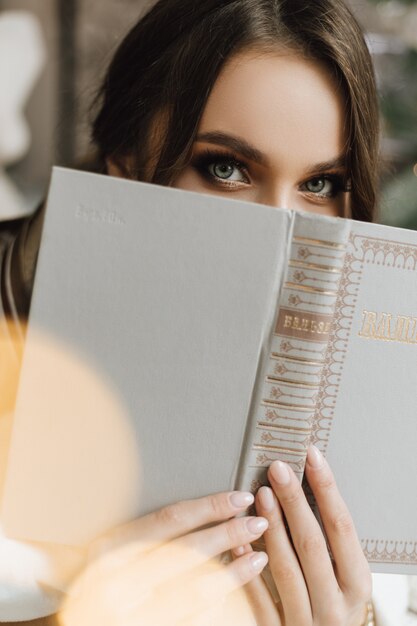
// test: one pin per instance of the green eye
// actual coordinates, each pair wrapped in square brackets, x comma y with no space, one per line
[318,185]
[222,170]
[226,170]
[327,186]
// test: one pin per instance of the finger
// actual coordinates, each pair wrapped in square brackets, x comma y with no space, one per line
[203,592]
[307,537]
[128,600]
[193,550]
[352,569]
[173,521]
[260,600]
[283,561]
[110,604]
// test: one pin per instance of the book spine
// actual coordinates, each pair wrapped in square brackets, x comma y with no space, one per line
[288,390]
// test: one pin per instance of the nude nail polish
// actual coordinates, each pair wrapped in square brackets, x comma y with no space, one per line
[257,525]
[241,499]
[266,499]
[315,457]
[258,561]
[280,473]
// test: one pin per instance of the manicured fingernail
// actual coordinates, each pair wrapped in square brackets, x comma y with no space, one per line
[241,499]
[258,561]
[280,472]
[238,551]
[315,457]
[266,499]
[256,525]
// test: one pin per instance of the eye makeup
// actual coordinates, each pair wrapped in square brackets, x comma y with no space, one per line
[319,187]
[204,161]
[335,182]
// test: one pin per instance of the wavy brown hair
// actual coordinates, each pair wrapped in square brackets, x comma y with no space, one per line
[167,65]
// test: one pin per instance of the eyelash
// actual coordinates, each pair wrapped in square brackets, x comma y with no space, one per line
[211,157]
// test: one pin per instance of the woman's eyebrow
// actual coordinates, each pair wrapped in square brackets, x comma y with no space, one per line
[253,154]
[234,143]
[337,163]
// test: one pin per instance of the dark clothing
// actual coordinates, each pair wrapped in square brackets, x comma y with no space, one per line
[19,245]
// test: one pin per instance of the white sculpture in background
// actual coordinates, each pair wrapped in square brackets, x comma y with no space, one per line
[22,56]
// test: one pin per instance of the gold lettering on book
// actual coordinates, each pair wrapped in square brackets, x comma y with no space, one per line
[389,327]
[303,325]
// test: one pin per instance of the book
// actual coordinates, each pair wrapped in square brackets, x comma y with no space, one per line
[178,343]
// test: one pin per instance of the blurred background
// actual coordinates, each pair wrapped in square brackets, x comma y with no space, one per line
[79,39]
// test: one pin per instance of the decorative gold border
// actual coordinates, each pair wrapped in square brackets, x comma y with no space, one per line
[361,250]
[292,383]
[388,551]
[290,429]
[270,404]
[315,266]
[333,245]
[297,287]
[371,247]
[307,350]
[300,359]
[286,405]
[267,448]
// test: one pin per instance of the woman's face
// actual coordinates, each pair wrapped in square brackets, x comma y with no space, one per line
[273,132]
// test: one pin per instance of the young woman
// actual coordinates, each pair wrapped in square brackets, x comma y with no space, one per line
[271,101]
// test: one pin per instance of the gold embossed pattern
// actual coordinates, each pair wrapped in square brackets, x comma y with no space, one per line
[292,386]
[361,252]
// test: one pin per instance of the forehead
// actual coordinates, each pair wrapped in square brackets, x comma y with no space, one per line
[282,104]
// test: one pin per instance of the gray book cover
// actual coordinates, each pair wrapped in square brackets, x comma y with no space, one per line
[178,343]
[148,317]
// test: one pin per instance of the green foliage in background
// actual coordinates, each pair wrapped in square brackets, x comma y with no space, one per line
[398,101]
[399,110]
[405,2]
[399,200]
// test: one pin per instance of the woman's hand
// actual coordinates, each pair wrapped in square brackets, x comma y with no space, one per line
[312,589]
[160,570]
